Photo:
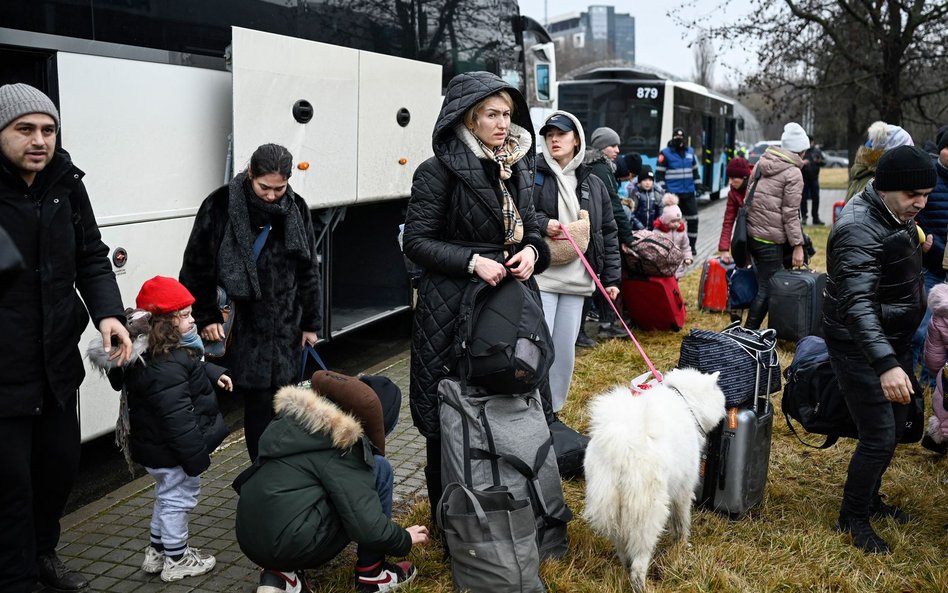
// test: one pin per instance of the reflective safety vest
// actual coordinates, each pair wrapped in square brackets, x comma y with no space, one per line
[679,169]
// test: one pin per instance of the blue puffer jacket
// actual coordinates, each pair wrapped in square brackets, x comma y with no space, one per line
[934,221]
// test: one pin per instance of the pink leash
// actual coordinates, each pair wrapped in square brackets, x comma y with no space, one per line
[648,362]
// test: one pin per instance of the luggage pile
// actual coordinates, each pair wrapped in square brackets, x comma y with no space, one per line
[726,287]
[650,293]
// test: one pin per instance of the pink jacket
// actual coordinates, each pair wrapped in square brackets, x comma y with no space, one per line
[774,213]
[936,353]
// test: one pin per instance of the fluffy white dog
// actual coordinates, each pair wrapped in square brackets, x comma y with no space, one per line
[642,464]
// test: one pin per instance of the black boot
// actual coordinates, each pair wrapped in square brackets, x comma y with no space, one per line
[584,341]
[864,537]
[57,576]
[878,509]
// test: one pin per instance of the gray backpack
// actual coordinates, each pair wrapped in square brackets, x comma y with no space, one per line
[492,442]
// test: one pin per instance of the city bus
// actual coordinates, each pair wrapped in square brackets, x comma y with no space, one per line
[644,108]
[162,101]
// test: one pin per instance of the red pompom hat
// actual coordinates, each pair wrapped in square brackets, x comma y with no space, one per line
[163,295]
[738,167]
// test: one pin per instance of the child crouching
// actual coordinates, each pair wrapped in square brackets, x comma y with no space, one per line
[320,482]
[174,423]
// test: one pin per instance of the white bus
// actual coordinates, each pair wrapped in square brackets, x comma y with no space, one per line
[644,108]
[162,101]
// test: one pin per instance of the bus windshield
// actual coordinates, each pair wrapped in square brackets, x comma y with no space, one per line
[461,35]
[634,110]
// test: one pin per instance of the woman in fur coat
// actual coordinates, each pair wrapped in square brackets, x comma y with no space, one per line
[275,295]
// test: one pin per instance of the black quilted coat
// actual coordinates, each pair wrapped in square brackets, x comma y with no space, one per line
[875,291]
[265,347]
[455,200]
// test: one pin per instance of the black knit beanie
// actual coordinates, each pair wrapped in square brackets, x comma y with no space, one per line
[905,168]
[943,140]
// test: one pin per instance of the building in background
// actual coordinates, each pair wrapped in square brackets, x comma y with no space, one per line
[596,35]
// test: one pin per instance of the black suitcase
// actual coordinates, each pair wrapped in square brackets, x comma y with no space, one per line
[737,458]
[796,304]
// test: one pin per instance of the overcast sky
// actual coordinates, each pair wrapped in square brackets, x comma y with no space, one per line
[660,42]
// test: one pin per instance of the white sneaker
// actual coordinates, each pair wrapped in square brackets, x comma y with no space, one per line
[275,581]
[154,561]
[192,563]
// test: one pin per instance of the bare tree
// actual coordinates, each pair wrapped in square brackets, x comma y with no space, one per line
[704,59]
[852,60]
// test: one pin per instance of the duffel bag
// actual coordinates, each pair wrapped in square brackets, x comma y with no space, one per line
[653,254]
[746,359]
[570,448]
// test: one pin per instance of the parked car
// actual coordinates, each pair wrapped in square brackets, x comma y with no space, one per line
[758,150]
[835,158]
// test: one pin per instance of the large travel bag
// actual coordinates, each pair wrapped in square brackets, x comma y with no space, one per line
[654,302]
[491,441]
[737,456]
[713,287]
[570,448]
[795,309]
[653,254]
[741,287]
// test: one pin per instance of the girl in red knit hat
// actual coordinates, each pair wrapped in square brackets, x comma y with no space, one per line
[174,422]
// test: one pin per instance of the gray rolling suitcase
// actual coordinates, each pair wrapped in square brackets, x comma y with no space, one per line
[737,456]
[796,303]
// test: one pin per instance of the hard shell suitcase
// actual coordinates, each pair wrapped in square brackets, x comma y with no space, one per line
[737,457]
[837,208]
[654,302]
[712,289]
[796,304]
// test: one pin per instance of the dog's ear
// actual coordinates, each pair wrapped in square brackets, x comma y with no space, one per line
[715,375]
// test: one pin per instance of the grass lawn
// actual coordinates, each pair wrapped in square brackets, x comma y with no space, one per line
[786,545]
[835,178]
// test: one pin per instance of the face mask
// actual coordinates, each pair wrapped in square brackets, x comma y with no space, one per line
[678,142]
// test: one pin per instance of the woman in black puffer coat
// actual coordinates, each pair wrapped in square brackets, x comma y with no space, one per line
[476,189]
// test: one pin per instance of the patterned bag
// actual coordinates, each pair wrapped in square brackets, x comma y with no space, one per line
[653,254]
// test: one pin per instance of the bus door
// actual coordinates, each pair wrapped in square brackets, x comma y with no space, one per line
[706,154]
[357,132]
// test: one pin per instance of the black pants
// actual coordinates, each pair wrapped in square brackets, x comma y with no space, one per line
[258,412]
[880,423]
[689,209]
[768,260]
[433,472]
[811,191]
[41,461]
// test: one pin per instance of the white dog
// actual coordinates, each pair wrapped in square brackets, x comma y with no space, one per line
[642,464]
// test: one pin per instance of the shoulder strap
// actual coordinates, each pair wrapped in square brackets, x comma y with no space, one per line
[752,189]
[260,241]
[829,442]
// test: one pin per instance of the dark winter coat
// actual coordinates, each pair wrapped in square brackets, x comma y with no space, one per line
[315,489]
[596,161]
[603,250]
[648,207]
[42,318]
[934,221]
[264,351]
[172,410]
[456,201]
[875,290]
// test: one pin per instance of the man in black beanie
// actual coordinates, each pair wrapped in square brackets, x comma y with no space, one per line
[875,243]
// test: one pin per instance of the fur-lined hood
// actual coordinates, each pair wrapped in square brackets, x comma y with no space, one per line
[938,299]
[316,415]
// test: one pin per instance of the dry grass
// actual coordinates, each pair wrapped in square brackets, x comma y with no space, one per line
[786,545]
[835,178]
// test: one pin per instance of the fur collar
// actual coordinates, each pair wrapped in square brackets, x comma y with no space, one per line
[660,225]
[938,299]
[316,414]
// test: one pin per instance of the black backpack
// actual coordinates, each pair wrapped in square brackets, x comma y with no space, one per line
[812,397]
[503,344]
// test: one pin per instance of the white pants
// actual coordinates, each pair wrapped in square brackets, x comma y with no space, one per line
[564,315]
[175,496]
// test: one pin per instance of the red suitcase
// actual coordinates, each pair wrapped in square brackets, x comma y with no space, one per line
[712,290]
[654,302]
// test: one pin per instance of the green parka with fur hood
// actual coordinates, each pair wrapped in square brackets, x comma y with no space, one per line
[315,490]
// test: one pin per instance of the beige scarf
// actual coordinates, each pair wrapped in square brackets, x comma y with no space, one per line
[513,149]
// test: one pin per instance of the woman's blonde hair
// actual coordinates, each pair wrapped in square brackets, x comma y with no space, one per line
[164,336]
[470,116]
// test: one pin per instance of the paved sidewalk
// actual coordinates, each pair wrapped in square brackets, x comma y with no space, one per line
[106,539]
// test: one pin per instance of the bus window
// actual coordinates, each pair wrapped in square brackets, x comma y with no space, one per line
[543,82]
